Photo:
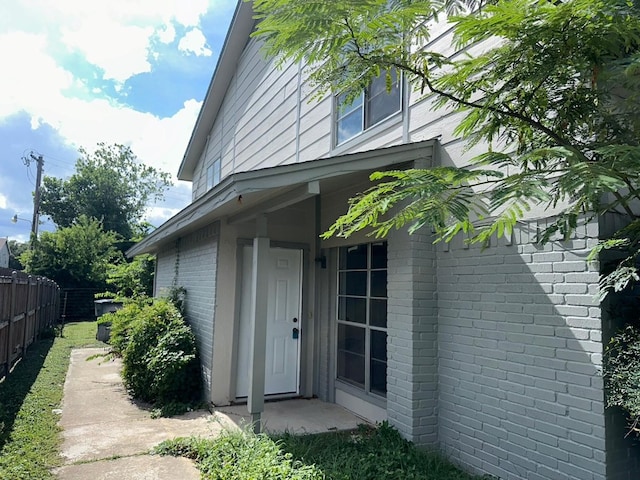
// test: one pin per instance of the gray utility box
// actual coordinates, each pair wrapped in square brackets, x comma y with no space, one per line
[103,306]
[106,305]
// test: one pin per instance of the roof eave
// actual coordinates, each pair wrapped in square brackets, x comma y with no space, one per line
[273,178]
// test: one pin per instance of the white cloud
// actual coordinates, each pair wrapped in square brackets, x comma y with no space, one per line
[3,202]
[30,77]
[121,51]
[194,42]
[158,141]
[166,33]
[157,215]
[114,35]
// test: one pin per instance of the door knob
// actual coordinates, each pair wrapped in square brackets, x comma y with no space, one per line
[295,333]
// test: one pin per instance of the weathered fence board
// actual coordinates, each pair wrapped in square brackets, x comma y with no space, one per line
[28,305]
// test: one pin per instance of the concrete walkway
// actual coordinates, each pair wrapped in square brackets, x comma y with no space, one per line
[107,437]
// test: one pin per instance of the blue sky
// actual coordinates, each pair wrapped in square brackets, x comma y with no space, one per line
[78,72]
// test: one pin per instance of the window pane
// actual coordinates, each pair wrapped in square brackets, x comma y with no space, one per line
[378,313]
[378,377]
[349,126]
[379,283]
[383,105]
[378,363]
[378,345]
[379,255]
[209,176]
[216,172]
[353,258]
[351,368]
[351,358]
[352,309]
[379,84]
[344,108]
[353,283]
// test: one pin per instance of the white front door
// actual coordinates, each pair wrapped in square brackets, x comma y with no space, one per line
[283,316]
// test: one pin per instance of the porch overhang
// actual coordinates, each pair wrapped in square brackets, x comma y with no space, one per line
[244,195]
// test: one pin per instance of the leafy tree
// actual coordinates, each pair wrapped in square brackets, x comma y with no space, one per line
[110,185]
[16,248]
[134,278]
[78,255]
[556,102]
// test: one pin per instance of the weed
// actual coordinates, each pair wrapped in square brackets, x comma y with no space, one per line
[240,456]
[366,454]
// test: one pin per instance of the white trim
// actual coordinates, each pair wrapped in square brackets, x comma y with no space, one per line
[362,408]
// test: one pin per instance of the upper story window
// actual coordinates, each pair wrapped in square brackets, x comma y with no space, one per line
[213,174]
[368,109]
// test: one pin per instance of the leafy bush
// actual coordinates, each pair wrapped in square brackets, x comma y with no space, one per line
[159,355]
[240,456]
[622,374]
[121,322]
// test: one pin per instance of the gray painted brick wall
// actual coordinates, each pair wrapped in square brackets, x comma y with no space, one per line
[196,272]
[412,394]
[520,351]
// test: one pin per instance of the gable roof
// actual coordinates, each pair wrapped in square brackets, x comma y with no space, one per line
[237,37]
[3,242]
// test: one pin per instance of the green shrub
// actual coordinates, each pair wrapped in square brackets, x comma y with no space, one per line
[622,374]
[160,361]
[240,456]
[121,323]
[175,365]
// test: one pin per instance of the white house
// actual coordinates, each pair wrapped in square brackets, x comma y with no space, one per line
[4,253]
[492,356]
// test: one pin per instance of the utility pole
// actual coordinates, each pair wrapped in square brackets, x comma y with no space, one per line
[36,198]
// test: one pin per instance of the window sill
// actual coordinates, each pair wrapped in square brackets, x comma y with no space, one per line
[361,394]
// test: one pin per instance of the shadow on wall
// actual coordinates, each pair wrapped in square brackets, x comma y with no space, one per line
[520,354]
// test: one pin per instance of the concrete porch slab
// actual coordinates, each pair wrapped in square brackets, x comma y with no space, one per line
[299,416]
[107,436]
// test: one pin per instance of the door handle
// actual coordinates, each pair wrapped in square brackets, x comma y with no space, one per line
[295,333]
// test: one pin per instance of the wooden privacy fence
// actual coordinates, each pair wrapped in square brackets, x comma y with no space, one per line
[28,305]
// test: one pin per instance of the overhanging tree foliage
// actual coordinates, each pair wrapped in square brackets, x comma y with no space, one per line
[110,185]
[74,256]
[556,102]
[552,89]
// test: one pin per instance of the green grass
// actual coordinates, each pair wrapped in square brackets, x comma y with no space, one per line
[367,454]
[29,432]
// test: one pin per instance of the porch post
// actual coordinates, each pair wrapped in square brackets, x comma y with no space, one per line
[257,353]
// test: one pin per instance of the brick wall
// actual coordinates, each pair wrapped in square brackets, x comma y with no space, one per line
[520,351]
[195,270]
[412,337]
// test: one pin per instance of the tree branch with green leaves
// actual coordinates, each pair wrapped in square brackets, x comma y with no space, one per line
[556,83]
